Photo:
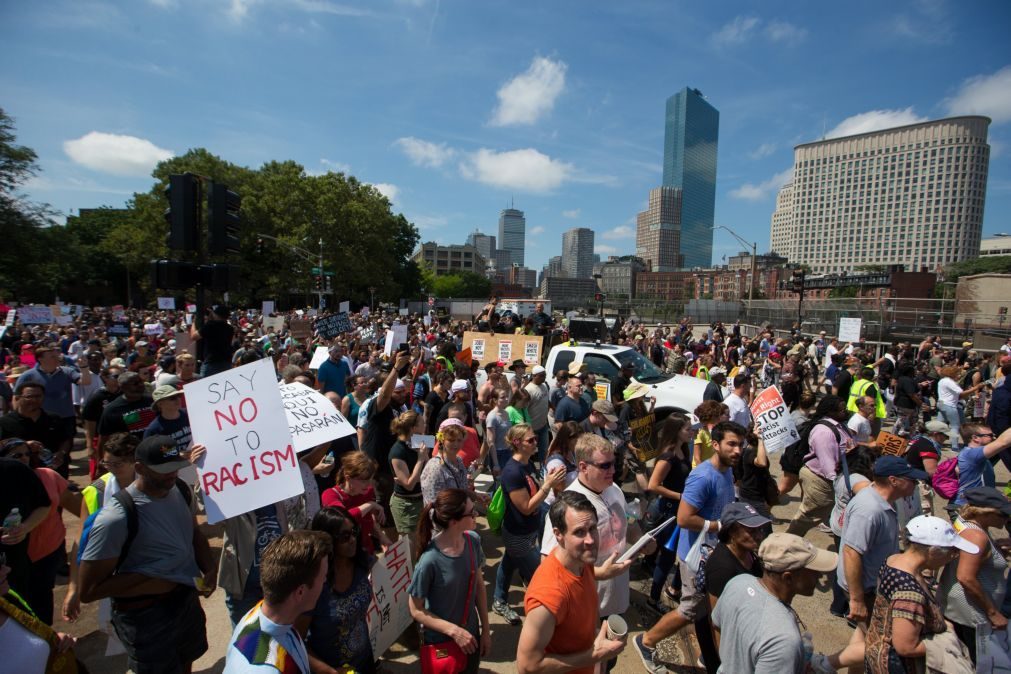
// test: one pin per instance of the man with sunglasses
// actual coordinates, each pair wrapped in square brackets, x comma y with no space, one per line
[974,466]
[595,481]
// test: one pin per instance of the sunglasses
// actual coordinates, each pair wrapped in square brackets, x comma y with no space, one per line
[345,536]
[607,465]
[530,441]
[983,435]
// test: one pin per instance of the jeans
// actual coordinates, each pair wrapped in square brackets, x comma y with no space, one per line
[665,560]
[209,369]
[542,443]
[953,417]
[521,554]
[41,583]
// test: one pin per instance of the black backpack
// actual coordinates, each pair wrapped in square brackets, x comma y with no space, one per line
[132,521]
[793,456]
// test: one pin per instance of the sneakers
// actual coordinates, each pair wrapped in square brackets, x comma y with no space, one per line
[646,655]
[824,528]
[506,611]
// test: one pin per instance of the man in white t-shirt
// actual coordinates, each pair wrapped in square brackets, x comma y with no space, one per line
[860,423]
[740,412]
[830,350]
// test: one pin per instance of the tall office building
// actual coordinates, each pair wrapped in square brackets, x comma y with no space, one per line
[658,233]
[485,244]
[691,134]
[512,228]
[912,195]
[577,252]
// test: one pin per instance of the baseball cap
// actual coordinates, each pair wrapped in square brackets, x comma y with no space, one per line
[141,343]
[895,466]
[927,530]
[937,426]
[537,369]
[400,385]
[160,454]
[781,552]
[965,344]
[988,497]
[605,409]
[459,385]
[166,361]
[162,392]
[635,390]
[742,513]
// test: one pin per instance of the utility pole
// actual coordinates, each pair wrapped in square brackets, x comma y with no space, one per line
[321,273]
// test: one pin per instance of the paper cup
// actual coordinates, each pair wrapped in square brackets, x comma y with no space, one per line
[617,628]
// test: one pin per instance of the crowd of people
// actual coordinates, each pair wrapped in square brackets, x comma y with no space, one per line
[917,567]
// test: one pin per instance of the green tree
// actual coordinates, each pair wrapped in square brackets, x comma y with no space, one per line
[995,264]
[464,284]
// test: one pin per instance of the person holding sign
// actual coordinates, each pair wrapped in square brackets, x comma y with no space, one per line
[407,463]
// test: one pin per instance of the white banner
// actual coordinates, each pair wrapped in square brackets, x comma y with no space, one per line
[153,329]
[395,336]
[250,460]
[275,323]
[168,303]
[312,418]
[344,306]
[773,421]
[35,315]
[268,307]
[849,330]
[389,612]
[319,357]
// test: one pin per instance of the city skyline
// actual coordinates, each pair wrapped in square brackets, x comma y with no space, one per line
[426,102]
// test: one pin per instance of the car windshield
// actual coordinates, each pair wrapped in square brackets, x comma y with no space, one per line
[645,371]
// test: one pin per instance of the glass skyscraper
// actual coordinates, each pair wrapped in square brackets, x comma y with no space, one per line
[512,227]
[691,133]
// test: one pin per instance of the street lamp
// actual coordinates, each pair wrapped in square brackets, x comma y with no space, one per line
[754,260]
[372,294]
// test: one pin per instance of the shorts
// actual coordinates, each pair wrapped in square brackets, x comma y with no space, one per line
[693,604]
[166,636]
[406,512]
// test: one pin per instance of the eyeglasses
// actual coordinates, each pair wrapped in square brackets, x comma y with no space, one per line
[530,441]
[607,465]
[983,435]
[351,534]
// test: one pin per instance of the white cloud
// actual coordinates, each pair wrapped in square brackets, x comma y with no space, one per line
[619,232]
[783,31]
[425,153]
[762,151]
[572,213]
[336,166]
[988,95]
[536,230]
[238,9]
[874,120]
[116,154]
[735,32]
[327,7]
[527,97]
[603,249]
[164,4]
[527,169]
[387,190]
[752,192]
[427,222]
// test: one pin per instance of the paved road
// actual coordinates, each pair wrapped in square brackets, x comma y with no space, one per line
[830,633]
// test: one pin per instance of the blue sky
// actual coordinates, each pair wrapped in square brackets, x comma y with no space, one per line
[454,109]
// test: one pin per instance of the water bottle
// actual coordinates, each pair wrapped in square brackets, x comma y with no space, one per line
[13,519]
[633,510]
[808,640]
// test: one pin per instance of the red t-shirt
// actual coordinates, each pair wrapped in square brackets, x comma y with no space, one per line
[573,602]
[335,496]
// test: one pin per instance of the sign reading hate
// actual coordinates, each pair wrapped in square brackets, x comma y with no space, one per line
[312,418]
[250,460]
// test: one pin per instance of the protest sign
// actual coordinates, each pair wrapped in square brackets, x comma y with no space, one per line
[892,444]
[527,347]
[642,437]
[312,418]
[185,343]
[365,312]
[191,308]
[153,328]
[250,460]
[312,312]
[333,325]
[389,613]
[603,390]
[64,320]
[427,320]
[267,307]
[395,336]
[273,323]
[505,351]
[35,315]
[773,421]
[404,312]
[119,329]
[168,303]
[344,306]
[849,329]
[477,348]
[301,328]
[8,321]
[319,357]
[464,356]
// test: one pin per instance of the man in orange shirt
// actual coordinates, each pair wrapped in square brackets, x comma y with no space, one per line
[560,632]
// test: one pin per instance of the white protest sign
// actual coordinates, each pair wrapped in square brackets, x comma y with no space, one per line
[35,315]
[477,349]
[403,312]
[11,314]
[64,320]
[773,421]
[312,418]
[153,329]
[275,323]
[268,307]
[389,613]
[849,330]
[344,306]
[312,312]
[427,320]
[250,461]
[395,336]
[365,312]
[191,308]
[167,303]
[505,351]
[319,357]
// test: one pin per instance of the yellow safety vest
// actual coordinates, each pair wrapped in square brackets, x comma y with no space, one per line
[858,389]
[703,373]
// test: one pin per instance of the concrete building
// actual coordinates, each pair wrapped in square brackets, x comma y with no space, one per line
[691,135]
[671,286]
[568,292]
[577,252]
[998,244]
[512,228]
[743,261]
[450,259]
[912,195]
[981,302]
[502,259]
[618,274]
[658,231]
[484,243]
[523,277]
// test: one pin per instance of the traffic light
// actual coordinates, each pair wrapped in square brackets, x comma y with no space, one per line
[183,213]
[599,297]
[797,281]
[173,274]
[319,283]
[223,220]
[220,277]
[259,245]
[328,280]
